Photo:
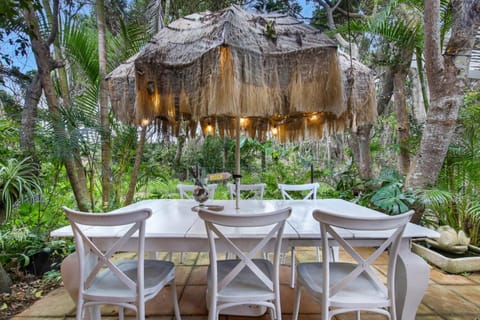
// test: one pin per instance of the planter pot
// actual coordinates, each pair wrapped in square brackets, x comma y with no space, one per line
[450,263]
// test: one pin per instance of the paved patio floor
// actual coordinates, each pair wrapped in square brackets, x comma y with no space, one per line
[448,296]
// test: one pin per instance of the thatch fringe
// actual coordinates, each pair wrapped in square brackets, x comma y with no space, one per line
[360,93]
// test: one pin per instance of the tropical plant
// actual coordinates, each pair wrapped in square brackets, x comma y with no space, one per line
[459,210]
[18,182]
[389,193]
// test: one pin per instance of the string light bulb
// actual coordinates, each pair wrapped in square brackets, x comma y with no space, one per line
[209,128]
[145,122]
[274,130]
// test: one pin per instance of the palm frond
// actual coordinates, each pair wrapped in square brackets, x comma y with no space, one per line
[434,198]
[81,45]
[128,42]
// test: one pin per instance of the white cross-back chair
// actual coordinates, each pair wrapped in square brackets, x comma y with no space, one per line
[250,191]
[245,280]
[306,191]
[126,283]
[186,190]
[352,287]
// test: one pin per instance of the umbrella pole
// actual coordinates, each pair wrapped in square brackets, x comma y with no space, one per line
[237,162]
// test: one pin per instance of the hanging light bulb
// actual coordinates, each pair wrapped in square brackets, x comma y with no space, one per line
[145,122]
[243,122]
[274,130]
[209,128]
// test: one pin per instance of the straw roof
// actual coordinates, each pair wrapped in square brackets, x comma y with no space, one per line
[272,70]
[121,86]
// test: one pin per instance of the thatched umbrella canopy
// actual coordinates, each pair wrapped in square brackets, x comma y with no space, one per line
[233,70]
[272,70]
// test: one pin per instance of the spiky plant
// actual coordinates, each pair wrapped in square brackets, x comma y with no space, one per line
[18,181]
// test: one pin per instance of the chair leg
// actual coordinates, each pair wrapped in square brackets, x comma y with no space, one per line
[357,315]
[272,314]
[176,309]
[292,271]
[296,306]
[121,313]
[80,310]
[335,256]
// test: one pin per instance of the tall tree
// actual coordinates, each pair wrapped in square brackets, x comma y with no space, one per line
[103,102]
[447,75]
[40,44]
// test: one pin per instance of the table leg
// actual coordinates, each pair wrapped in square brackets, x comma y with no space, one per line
[70,271]
[411,280]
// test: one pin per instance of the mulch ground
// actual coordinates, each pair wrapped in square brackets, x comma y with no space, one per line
[26,289]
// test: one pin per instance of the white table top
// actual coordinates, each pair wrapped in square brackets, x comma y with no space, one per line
[175,219]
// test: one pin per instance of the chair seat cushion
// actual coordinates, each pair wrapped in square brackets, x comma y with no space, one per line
[361,291]
[156,274]
[246,284]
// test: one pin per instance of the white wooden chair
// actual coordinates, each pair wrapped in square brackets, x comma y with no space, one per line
[250,191]
[186,190]
[343,287]
[126,283]
[246,280]
[306,191]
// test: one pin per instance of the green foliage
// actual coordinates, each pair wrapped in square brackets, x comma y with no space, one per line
[459,210]
[9,136]
[18,182]
[19,245]
[389,194]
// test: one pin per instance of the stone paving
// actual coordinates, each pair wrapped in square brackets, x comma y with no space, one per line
[449,297]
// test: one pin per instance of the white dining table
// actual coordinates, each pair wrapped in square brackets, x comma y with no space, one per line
[175,226]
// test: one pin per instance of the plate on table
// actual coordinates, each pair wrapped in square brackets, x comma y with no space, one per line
[209,207]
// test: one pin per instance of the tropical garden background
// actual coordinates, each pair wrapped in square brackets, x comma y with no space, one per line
[62,145]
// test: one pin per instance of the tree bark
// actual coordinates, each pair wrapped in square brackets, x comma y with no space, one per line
[46,64]
[447,78]
[360,145]
[29,116]
[178,155]
[103,101]
[419,110]
[401,113]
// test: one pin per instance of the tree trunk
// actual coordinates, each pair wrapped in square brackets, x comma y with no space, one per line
[29,116]
[178,155]
[62,79]
[418,102]
[360,145]
[46,64]
[136,166]
[447,78]
[403,126]
[103,101]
